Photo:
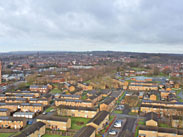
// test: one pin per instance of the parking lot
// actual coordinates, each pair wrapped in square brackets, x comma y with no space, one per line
[117,129]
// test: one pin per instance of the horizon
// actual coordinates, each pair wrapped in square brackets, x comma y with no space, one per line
[9,52]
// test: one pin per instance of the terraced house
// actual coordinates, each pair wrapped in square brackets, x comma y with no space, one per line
[99,121]
[75,103]
[85,86]
[87,131]
[12,122]
[76,111]
[28,107]
[64,96]
[55,122]
[163,103]
[11,106]
[16,100]
[37,129]
[150,131]
[95,98]
[4,112]
[108,104]
[170,111]
[42,101]
[35,93]
[39,88]
[142,87]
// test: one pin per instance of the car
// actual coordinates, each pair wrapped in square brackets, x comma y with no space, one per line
[44,113]
[118,123]
[112,132]
[52,110]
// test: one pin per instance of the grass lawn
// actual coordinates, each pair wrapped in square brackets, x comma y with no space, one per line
[137,132]
[132,113]
[46,135]
[111,118]
[121,97]
[178,91]
[78,123]
[55,90]
[49,109]
[6,134]
[141,122]
[118,111]
[164,125]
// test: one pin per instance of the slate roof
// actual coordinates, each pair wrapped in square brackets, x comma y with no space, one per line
[77,108]
[53,118]
[85,132]
[152,116]
[108,100]
[31,129]
[99,117]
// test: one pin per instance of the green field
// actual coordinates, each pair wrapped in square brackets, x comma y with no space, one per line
[164,125]
[6,134]
[118,111]
[55,90]
[49,109]
[141,122]
[78,123]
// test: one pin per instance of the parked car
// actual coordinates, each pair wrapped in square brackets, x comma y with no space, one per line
[112,132]
[118,123]
[53,110]
[120,107]
[44,113]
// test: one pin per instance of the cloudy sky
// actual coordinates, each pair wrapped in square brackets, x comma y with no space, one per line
[85,25]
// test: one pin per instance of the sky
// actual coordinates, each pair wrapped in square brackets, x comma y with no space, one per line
[90,25]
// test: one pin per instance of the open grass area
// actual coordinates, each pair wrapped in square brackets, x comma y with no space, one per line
[178,91]
[141,122]
[46,135]
[49,109]
[132,113]
[6,134]
[118,111]
[164,125]
[55,90]
[78,123]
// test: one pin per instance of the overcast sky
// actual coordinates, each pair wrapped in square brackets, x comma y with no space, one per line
[86,25]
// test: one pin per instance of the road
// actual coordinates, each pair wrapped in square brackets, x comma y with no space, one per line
[127,116]
[129,128]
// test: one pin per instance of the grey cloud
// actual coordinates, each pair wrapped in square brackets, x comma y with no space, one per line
[102,21]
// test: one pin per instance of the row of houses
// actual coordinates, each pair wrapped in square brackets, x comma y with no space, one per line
[151,127]
[72,102]
[95,125]
[163,103]
[24,107]
[84,112]
[142,87]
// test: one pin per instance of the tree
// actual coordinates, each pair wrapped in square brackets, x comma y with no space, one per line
[156,71]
